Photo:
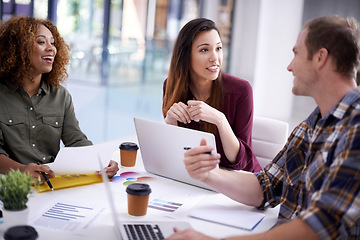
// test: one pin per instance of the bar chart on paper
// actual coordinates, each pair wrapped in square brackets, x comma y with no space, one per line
[67,216]
[164,205]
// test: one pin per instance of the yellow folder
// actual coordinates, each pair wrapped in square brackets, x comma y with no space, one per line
[68,181]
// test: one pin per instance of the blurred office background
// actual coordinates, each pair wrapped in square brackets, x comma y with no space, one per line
[120,52]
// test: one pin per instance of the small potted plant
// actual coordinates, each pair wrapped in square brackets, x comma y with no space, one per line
[15,188]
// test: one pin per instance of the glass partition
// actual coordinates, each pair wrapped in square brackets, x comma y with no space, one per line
[140,37]
[81,25]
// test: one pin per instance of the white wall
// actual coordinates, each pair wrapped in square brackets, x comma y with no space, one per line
[279,25]
[210,10]
[244,39]
[263,35]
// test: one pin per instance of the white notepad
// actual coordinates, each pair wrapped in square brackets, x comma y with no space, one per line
[233,217]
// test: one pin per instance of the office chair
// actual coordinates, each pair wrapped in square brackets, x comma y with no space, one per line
[268,138]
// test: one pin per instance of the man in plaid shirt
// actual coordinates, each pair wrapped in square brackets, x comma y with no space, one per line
[316,176]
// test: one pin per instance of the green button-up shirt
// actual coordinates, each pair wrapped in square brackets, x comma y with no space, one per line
[31,128]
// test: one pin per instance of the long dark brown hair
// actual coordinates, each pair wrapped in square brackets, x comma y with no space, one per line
[177,85]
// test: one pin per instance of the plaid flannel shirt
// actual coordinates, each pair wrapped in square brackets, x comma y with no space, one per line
[316,176]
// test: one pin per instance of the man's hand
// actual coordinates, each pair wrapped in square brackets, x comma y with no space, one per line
[188,234]
[198,161]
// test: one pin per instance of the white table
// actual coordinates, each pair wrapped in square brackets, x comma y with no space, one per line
[102,226]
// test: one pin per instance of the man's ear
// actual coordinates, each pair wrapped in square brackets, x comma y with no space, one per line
[321,57]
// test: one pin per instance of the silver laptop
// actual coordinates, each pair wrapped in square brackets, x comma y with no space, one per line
[138,229]
[162,149]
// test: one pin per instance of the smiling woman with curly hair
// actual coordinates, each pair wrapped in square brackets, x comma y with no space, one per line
[17,43]
[36,112]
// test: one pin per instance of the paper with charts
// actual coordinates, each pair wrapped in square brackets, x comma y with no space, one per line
[67,216]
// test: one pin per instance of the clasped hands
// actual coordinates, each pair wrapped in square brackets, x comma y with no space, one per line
[193,111]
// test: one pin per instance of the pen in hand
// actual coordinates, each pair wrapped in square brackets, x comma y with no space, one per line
[188,148]
[46,179]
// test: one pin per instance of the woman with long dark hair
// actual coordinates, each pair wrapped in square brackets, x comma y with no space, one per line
[198,96]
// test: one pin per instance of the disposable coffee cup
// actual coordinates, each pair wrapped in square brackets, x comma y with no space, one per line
[138,198]
[128,151]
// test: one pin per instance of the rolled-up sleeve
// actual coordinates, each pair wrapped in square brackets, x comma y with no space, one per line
[271,182]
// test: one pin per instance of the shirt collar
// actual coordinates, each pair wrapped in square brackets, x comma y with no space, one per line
[44,87]
[345,103]
[339,110]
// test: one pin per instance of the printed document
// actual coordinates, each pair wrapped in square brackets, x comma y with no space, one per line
[67,216]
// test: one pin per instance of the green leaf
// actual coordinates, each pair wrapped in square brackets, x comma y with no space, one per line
[15,188]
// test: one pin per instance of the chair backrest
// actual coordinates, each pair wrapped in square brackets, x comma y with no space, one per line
[268,138]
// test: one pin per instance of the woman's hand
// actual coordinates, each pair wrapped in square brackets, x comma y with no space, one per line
[199,110]
[35,169]
[111,169]
[178,112]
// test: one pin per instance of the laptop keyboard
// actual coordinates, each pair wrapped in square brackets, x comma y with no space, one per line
[143,231]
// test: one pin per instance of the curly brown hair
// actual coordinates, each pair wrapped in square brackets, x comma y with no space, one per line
[17,44]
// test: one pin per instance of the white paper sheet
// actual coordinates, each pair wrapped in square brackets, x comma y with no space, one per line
[67,215]
[231,216]
[83,160]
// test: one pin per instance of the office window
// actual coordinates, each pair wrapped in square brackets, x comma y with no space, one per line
[81,23]
[225,27]
[41,9]
[11,8]
[127,41]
